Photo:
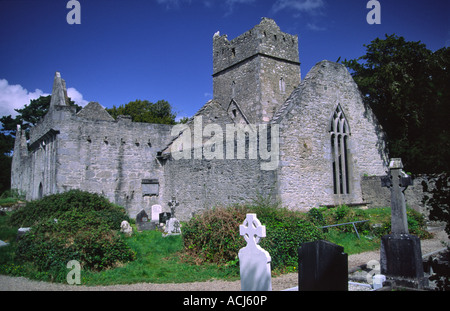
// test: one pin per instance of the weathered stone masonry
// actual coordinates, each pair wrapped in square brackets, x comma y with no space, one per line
[328,139]
[90,151]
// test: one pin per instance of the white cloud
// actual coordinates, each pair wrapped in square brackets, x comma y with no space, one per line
[306,6]
[15,97]
[231,3]
[77,97]
[315,27]
[170,4]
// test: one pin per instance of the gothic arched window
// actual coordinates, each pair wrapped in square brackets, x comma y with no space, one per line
[339,136]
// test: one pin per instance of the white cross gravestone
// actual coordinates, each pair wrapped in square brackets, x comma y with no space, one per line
[253,260]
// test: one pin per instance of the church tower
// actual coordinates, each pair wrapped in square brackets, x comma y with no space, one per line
[255,73]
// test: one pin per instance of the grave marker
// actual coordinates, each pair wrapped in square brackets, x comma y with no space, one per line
[125,227]
[322,266]
[254,261]
[173,204]
[397,181]
[173,225]
[400,253]
[142,222]
[156,210]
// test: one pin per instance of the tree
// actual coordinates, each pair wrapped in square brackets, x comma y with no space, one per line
[406,85]
[145,111]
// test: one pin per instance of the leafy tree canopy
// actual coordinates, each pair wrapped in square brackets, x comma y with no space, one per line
[407,87]
[145,111]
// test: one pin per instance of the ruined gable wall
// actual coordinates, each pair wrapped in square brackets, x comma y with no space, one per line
[306,173]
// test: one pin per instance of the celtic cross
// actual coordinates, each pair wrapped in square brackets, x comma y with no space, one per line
[252,230]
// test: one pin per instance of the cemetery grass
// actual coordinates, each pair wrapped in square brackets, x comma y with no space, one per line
[157,261]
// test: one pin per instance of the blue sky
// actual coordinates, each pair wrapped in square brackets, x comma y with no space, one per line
[125,50]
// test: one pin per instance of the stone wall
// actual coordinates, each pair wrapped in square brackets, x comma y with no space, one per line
[306,173]
[376,196]
[204,184]
[114,158]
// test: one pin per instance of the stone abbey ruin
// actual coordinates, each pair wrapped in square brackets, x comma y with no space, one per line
[307,143]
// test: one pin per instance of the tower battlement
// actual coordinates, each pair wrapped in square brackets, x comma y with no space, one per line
[254,73]
[266,39]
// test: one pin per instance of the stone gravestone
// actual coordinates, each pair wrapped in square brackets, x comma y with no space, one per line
[173,204]
[173,225]
[143,223]
[322,266]
[156,210]
[254,261]
[400,253]
[125,227]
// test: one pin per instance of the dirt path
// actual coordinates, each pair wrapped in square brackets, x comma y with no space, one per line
[283,282]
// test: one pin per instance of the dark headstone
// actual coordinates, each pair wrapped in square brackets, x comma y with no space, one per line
[164,217]
[322,266]
[143,223]
[141,216]
[401,260]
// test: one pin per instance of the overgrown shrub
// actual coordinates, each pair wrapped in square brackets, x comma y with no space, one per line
[284,235]
[315,215]
[213,236]
[54,205]
[74,225]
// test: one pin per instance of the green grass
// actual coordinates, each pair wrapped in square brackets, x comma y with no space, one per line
[158,261]
[351,243]
[7,202]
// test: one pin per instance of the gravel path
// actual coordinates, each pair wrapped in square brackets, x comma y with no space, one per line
[283,282]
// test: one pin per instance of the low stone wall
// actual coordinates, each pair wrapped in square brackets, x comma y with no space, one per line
[376,196]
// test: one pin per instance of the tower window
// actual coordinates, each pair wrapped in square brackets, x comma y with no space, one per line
[339,135]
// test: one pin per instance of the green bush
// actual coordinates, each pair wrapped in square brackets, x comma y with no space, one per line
[74,225]
[54,205]
[213,236]
[315,215]
[285,236]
